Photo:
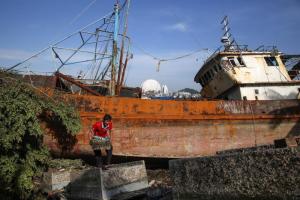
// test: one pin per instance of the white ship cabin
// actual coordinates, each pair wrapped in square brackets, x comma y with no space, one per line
[246,75]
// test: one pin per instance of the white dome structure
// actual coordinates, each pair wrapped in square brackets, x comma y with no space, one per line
[151,85]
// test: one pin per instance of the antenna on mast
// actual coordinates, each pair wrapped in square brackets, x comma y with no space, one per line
[226,38]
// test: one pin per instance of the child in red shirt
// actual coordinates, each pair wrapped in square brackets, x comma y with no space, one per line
[102,129]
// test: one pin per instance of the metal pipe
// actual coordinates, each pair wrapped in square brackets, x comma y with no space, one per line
[86,60]
[83,51]
[79,84]
[73,54]
[99,41]
[105,50]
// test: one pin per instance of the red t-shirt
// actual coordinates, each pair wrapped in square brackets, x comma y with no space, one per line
[101,130]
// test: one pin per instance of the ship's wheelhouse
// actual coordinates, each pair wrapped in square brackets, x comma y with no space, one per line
[246,75]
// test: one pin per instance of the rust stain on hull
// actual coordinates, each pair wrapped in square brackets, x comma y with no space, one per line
[158,128]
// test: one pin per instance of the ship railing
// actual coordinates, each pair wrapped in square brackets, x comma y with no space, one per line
[265,48]
[232,48]
[218,50]
[237,48]
[294,74]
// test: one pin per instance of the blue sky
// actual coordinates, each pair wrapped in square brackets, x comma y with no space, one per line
[163,28]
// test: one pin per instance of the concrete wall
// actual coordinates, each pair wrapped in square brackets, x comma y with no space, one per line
[264,174]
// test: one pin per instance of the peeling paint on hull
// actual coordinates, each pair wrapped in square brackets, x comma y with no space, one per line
[173,129]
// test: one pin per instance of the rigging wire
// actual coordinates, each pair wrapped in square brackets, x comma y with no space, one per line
[93,66]
[75,18]
[105,50]
[82,12]
[160,60]
[51,46]
[96,65]
[60,41]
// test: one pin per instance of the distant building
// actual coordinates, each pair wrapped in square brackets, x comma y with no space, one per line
[152,88]
[165,90]
[182,95]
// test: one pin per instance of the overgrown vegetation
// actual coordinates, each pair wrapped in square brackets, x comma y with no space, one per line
[22,153]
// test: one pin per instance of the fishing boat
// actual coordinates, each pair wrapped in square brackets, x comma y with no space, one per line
[249,99]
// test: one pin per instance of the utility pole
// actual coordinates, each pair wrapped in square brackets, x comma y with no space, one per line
[112,86]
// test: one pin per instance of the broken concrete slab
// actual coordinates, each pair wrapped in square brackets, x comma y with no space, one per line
[125,177]
[87,185]
[263,174]
[56,180]
[96,184]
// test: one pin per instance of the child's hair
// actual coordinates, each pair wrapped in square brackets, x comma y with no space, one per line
[107,117]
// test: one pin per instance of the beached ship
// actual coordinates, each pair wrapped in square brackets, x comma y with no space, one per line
[249,100]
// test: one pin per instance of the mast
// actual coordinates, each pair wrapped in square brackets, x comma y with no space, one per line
[112,85]
[123,72]
[121,65]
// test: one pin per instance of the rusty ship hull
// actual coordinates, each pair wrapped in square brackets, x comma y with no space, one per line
[177,129]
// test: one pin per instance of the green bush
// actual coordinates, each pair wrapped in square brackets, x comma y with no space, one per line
[22,153]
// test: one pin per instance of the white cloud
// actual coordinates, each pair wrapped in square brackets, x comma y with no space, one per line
[180,26]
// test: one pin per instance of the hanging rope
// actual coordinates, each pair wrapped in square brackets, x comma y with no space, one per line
[160,60]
